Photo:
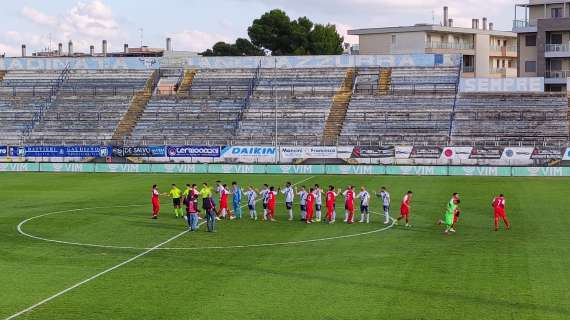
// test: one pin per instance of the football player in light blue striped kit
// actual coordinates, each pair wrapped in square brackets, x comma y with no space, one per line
[264,194]
[251,195]
[385,197]
[364,203]
[303,203]
[289,196]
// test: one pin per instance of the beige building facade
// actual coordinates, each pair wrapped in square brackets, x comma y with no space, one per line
[486,53]
[543,30]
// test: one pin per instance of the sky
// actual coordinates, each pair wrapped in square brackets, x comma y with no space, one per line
[195,25]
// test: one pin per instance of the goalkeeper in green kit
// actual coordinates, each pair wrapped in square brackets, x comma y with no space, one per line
[450,214]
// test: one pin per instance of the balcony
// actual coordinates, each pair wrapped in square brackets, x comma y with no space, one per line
[556,76]
[557,50]
[504,51]
[522,26]
[503,72]
[450,45]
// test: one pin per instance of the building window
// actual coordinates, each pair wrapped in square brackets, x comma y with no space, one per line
[510,64]
[555,38]
[555,65]
[556,12]
[530,40]
[393,39]
[530,66]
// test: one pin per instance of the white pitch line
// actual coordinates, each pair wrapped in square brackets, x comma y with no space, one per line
[94,277]
[102,272]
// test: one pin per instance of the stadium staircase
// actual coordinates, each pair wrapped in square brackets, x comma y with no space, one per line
[339,107]
[136,109]
[384,81]
[43,108]
[186,83]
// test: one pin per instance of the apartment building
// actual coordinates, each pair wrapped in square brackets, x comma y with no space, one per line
[543,30]
[487,53]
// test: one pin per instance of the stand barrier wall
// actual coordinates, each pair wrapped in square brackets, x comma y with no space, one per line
[288,169]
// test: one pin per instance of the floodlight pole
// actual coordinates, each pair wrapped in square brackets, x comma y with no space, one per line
[275,109]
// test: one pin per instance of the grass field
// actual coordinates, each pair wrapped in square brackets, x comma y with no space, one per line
[399,273]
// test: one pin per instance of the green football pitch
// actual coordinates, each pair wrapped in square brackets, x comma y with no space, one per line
[83,246]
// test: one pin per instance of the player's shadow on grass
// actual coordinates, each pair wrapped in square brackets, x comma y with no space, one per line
[369,284]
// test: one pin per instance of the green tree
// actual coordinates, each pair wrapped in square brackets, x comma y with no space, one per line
[276,32]
[324,39]
[242,47]
[273,31]
[301,28]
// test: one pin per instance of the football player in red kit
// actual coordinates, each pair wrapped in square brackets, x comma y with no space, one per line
[271,194]
[310,206]
[155,202]
[330,200]
[405,208]
[349,204]
[499,208]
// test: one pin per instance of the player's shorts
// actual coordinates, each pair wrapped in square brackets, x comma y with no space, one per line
[318,207]
[386,208]
[404,211]
[176,201]
[364,209]
[289,205]
[303,207]
[223,205]
[500,213]
[349,207]
[264,205]
[251,207]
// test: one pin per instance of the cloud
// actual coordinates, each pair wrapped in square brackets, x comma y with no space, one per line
[38,17]
[9,50]
[86,23]
[193,40]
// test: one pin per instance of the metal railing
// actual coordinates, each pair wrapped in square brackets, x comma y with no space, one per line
[518,24]
[505,48]
[468,69]
[557,47]
[498,70]
[406,89]
[450,45]
[560,74]
[42,108]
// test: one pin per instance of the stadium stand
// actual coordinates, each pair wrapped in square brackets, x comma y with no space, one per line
[205,110]
[307,106]
[295,101]
[22,95]
[401,105]
[88,108]
[515,119]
